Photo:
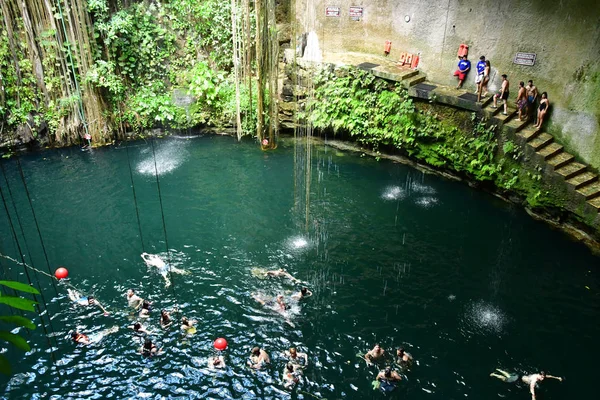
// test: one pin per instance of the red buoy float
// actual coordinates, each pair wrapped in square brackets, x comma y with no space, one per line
[61,273]
[220,344]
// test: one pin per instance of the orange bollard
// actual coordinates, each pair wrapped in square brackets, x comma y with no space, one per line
[415,61]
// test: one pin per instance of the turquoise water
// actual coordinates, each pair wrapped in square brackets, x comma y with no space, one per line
[465,282]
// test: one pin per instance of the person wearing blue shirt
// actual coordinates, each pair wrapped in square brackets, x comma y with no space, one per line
[480,69]
[464,66]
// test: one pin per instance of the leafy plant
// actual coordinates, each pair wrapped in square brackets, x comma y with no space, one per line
[19,303]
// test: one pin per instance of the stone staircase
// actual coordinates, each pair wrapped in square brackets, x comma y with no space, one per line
[552,155]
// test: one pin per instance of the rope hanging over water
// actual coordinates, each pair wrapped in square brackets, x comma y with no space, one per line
[36,222]
[162,213]
[135,202]
[39,312]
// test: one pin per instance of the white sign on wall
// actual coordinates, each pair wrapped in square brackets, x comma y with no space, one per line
[525,59]
[356,13]
[332,11]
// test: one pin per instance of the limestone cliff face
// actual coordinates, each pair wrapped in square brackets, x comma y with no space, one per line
[564,35]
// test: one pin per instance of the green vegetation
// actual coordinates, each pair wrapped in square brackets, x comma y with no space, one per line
[379,114]
[101,66]
[15,303]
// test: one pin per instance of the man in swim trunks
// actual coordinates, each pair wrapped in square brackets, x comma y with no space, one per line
[375,355]
[529,380]
[258,358]
[521,99]
[388,378]
[464,66]
[532,94]
[502,94]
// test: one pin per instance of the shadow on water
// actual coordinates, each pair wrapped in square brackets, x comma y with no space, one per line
[464,282]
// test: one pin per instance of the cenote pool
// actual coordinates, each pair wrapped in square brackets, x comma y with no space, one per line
[465,282]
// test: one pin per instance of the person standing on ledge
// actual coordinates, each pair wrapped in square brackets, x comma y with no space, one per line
[521,100]
[532,94]
[480,70]
[502,94]
[464,66]
[484,81]
[542,110]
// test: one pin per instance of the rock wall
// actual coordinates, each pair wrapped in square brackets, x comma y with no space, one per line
[564,35]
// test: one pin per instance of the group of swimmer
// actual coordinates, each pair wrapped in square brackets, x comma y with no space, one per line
[392,370]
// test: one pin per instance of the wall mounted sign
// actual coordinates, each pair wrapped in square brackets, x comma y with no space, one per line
[356,13]
[332,11]
[525,59]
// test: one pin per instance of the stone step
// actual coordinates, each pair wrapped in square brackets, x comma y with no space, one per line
[570,170]
[595,203]
[550,151]
[530,132]
[408,74]
[506,118]
[518,125]
[582,179]
[414,80]
[560,160]
[541,141]
[486,101]
[590,191]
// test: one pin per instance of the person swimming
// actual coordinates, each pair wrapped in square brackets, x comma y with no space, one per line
[388,379]
[403,358]
[81,300]
[133,300]
[153,260]
[375,355]
[297,359]
[282,273]
[146,308]
[80,338]
[139,329]
[290,376]
[302,294]
[149,349]
[258,358]
[530,380]
[216,362]
[165,319]
[187,325]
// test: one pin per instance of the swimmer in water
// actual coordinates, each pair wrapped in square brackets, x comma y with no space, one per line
[282,273]
[133,300]
[149,349]
[375,355]
[258,358]
[165,319]
[290,376]
[216,362]
[403,358]
[297,359]
[187,325]
[530,380]
[80,338]
[81,300]
[145,310]
[389,379]
[153,260]
[139,329]
[302,294]
[282,304]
